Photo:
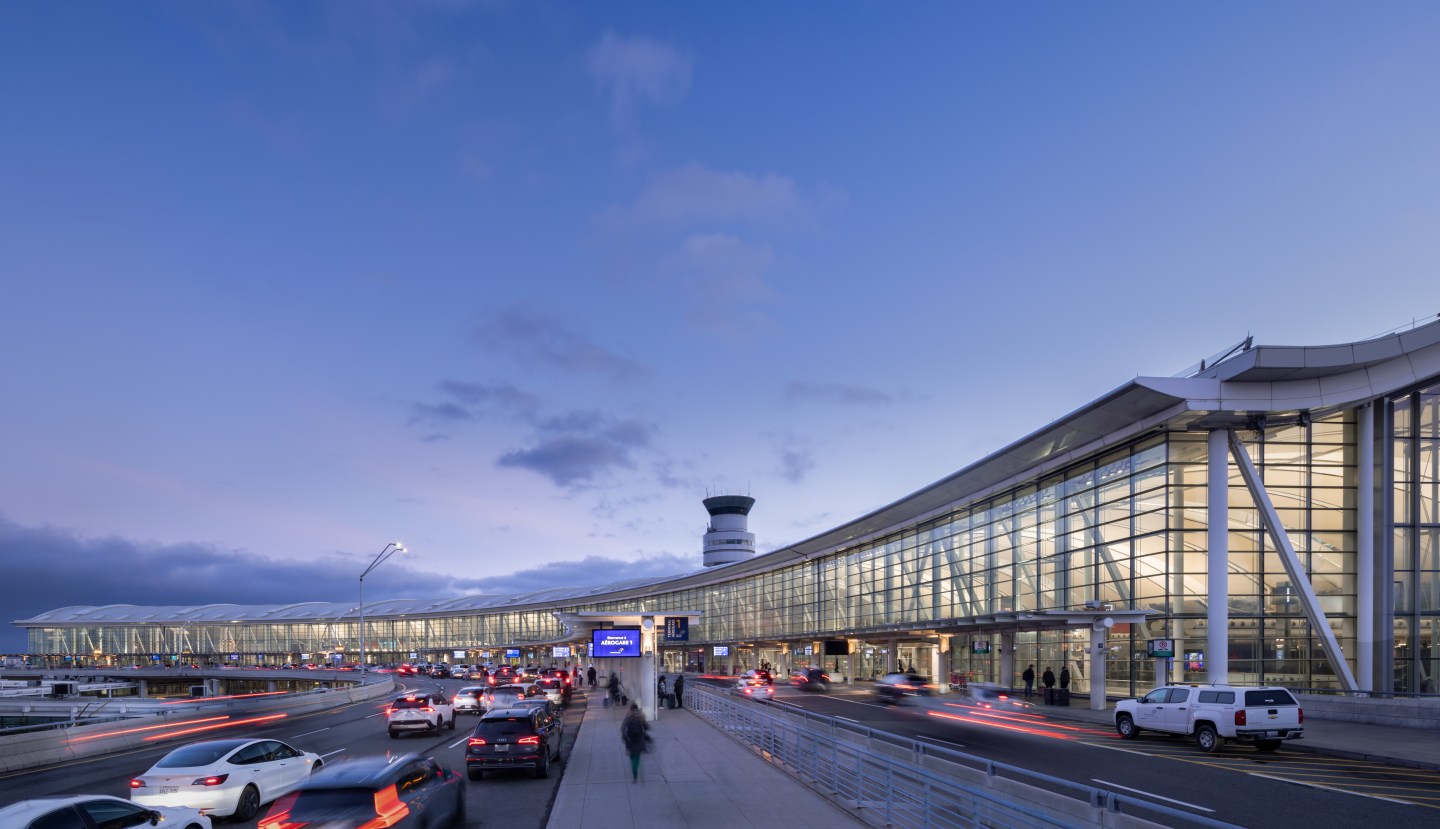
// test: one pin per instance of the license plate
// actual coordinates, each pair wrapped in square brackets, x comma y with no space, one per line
[1272,733]
[502,749]
[169,789]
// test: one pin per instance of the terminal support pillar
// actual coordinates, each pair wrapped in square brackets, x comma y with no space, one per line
[646,694]
[940,664]
[1217,645]
[1007,658]
[1097,665]
[892,656]
[850,664]
[1366,646]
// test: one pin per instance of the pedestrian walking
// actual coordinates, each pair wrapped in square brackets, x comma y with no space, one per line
[612,689]
[635,733]
[590,674]
[1029,677]
[680,691]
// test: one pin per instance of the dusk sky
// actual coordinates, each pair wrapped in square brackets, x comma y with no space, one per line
[519,284]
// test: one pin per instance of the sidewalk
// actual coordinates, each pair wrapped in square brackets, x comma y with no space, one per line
[1410,747]
[694,777]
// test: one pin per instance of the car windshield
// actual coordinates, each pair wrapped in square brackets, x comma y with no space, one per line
[200,754]
[508,727]
[411,702]
[1269,696]
[550,684]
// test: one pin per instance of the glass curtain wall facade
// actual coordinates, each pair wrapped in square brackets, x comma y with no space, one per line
[1126,527]
[1415,507]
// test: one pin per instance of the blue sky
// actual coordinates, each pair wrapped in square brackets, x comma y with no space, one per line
[520,283]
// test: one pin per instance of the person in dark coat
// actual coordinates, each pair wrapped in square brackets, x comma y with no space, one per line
[635,733]
[1048,678]
[612,689]
[660,689]
[1029,677]
[590,675]
[680,691]
[1065,678]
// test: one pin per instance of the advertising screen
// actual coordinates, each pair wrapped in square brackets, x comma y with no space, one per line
[837,647]
[615,642]
[512,653]
[559,651]
[1195,661]
[677,629]
[722,650]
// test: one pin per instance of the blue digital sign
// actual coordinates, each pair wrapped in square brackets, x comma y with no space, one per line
[677,629]
[512,653]
[615,642]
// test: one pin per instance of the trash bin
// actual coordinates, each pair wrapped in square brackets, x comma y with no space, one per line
[1064,697]
[1049,696]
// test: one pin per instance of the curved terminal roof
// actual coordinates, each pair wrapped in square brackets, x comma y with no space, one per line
[1276,382]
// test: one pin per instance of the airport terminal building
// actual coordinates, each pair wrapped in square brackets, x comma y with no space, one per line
[1271,515]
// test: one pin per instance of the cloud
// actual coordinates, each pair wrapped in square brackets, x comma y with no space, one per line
[62,569]
[724,280]
[694,193]
[539,340]
[795,463]
[471,402]
[800,391]
[580,447]
[591,570]
[636,70]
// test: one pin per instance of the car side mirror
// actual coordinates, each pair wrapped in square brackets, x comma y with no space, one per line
[155,818]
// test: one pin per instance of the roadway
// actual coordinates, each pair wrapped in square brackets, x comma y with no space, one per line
[1279,790]
[508,798]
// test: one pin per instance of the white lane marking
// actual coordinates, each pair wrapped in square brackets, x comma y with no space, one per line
[1328,788]
[459,741]
[938,740]
[1125,750]
[331,753]
[308,733]
[1149,794]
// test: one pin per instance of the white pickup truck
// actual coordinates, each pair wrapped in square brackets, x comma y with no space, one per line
[1215,713]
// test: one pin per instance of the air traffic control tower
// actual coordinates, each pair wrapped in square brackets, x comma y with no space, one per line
[727,539]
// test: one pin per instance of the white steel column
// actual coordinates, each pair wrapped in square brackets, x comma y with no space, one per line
[1007,658]
[940,664]
[1098,631]
[1217,645]
[1298,577]
[1365,548]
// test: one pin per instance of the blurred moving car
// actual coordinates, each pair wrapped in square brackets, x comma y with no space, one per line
[811,679]
[405,792]
[554,689]
[505,695]
[419,711]
[754,689]
[893,688]
[991,695]
[470,700]
[224,778]
[551,715]
[512,738]
[82,811]
[503,675]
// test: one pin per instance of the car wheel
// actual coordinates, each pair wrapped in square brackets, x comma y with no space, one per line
[248,804]
[1206,737]
[1126,726]
[394,734]
[1267,745]
[452,722]
[543,769]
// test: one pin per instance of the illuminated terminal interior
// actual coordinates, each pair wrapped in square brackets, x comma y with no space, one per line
[1269,516]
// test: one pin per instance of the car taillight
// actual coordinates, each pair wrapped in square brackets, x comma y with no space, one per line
[213,780]
[475,741]
[427,709]
[529,741]
[137,783]
[1301,712]
[1240,717]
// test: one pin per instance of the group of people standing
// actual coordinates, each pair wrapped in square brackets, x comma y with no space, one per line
[1047,679]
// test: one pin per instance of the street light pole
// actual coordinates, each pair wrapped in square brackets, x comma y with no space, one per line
[390,549]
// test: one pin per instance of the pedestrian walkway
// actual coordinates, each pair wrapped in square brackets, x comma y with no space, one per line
[694,777]
[1411,747]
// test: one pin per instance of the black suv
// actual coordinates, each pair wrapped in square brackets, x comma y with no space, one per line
[404,791]
[512,738]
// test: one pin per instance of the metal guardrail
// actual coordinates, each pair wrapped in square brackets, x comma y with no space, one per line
[904,783]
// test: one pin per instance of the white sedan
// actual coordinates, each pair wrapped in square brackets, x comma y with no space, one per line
[101,809]
[225,778]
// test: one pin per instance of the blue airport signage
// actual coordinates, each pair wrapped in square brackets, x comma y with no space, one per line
[677,629]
